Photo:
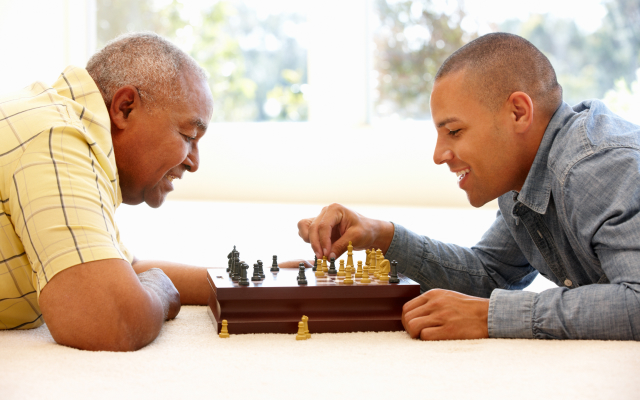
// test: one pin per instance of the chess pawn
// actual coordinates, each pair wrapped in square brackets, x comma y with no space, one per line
[324,264]
[341,270]
[260,269]
[305,319]
[359,271]
[274,265]
[315,263]
[319,271]
[302,279]
[365,275]
[393,275]
[301,333]
[256,273]
[350,254]
[332,267]
[244,281]
[347,279]
[224,332]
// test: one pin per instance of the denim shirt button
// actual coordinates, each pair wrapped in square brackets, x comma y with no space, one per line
[568,283]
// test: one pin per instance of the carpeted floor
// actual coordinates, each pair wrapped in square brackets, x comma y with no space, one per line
[189,361]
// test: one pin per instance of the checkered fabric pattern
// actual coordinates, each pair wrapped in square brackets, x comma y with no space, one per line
[58,190]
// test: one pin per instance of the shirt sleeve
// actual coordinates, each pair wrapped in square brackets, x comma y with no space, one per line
[494,262]
[63,204]
[601,202]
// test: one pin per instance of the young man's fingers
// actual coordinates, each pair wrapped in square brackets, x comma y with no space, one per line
[330,219]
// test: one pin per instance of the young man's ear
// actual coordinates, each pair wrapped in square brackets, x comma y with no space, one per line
[521,107]
[124,101]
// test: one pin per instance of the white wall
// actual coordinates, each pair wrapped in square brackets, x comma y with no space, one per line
[40,38]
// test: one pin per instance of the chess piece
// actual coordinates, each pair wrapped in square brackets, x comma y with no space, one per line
[244,281]
[393,275]
[324,264]
[224,332]
[365,275]
[260,269]
[341,270]
[315,263]
[350,255]
[230,257]
[377,258]
[274,266]
[319,273]
[236,270]
[302,279]
[347,279]
[359,271]
[305,319]
[383,266]
[256,273]
[301,334]
[332,267]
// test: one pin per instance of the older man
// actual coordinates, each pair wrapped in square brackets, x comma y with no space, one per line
[567,182]
[120,131]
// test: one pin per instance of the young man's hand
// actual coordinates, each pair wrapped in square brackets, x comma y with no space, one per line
[445,315]
[331,231]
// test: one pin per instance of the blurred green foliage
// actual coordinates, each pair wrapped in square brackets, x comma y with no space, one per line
[228,39]
[587,64]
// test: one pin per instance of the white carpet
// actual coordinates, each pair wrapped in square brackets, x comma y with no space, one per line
[188,361]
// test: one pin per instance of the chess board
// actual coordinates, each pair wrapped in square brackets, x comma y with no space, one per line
[277,303]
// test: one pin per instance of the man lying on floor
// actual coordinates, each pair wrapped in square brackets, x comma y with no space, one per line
[567,180]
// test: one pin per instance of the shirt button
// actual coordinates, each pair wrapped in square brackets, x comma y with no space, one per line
[568,283]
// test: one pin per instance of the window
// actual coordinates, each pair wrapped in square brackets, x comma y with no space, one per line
[255,52]
[593,45]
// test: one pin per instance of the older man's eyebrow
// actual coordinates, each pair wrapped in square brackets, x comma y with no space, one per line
[447,121]
[199,124]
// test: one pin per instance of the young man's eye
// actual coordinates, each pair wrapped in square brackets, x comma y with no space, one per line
[454,133]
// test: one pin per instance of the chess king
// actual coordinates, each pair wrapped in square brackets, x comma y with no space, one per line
[565,180]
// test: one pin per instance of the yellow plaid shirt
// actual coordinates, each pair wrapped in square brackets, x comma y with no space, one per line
[58,187]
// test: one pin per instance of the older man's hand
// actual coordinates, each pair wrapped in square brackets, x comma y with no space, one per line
[445,315]
[156,280]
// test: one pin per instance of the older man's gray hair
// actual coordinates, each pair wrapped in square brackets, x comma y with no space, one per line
[152,64]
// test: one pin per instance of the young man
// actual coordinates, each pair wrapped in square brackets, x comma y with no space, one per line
[567,182]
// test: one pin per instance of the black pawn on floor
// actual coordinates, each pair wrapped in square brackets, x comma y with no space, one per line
[332,267]
[244,281]
[260,269]
[315,263]
[274,266]
[393,273]
[302,279]
[256,273]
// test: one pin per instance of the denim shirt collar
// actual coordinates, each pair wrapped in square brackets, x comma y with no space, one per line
[536,191]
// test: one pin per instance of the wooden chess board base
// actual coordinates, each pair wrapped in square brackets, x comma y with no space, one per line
[277,303]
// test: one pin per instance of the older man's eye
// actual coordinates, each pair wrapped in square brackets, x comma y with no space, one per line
[454,133]
[187,138]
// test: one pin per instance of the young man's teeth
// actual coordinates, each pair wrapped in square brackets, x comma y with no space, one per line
[171,178]
[461,174]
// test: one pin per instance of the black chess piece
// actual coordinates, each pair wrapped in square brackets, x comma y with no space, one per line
[332,267]
[256,273]
[260,269]
[230,257]
[393,273]
[315,263]
[236,270]
[274,266]
[302,279]
[243,275]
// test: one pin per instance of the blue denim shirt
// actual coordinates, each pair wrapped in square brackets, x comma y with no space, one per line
[576,221]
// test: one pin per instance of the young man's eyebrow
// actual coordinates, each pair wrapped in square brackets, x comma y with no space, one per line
[446,121]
